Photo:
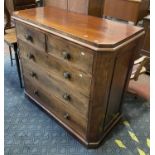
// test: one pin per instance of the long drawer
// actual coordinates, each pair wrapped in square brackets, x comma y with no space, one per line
[71,53]
[58,109]
[71,76]
[68,96]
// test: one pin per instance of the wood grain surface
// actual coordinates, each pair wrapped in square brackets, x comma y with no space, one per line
[95,31]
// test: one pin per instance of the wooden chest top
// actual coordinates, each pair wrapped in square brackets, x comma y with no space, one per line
[93,31]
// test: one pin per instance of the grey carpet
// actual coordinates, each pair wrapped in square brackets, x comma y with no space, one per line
[30,131]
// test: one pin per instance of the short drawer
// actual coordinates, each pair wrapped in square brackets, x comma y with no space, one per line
[66,94]
[30,35]
[65,72]
[71,53]
[60,111]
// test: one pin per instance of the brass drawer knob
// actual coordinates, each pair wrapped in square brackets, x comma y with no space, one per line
[66,116]
[66,97]
[67,75]
[36,92]
[33,74]
[28,37]
[66,55]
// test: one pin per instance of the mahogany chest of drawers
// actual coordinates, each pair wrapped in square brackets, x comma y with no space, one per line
[76,67]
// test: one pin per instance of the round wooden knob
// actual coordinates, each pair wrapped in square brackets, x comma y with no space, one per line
[29,37]
[66,97]
[67,75]
[33,74]
[31,56]
[66,55]
[36,92]
[66,116]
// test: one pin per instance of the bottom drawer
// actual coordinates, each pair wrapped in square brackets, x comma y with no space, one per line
[50,103]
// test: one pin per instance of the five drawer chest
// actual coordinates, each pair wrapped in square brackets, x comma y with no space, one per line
[76,67]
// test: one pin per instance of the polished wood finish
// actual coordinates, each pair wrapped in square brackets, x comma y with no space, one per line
[77,68]
[122,61]
[86,29]
[128,10]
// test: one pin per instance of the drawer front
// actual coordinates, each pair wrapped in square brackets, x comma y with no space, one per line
[30,35]
[61,111]
[64,72]
[71,53]
[68,96]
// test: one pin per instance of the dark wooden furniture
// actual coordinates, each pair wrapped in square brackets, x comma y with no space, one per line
[7,16]
[9,31]
[11,39]
[128,10]
[146,44]
[76,67]
[91,7]
[14,5]
[23,4]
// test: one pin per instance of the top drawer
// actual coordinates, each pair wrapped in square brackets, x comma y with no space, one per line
[30,35]
[75,55]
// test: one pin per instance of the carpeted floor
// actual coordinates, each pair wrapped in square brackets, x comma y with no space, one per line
[30,131]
